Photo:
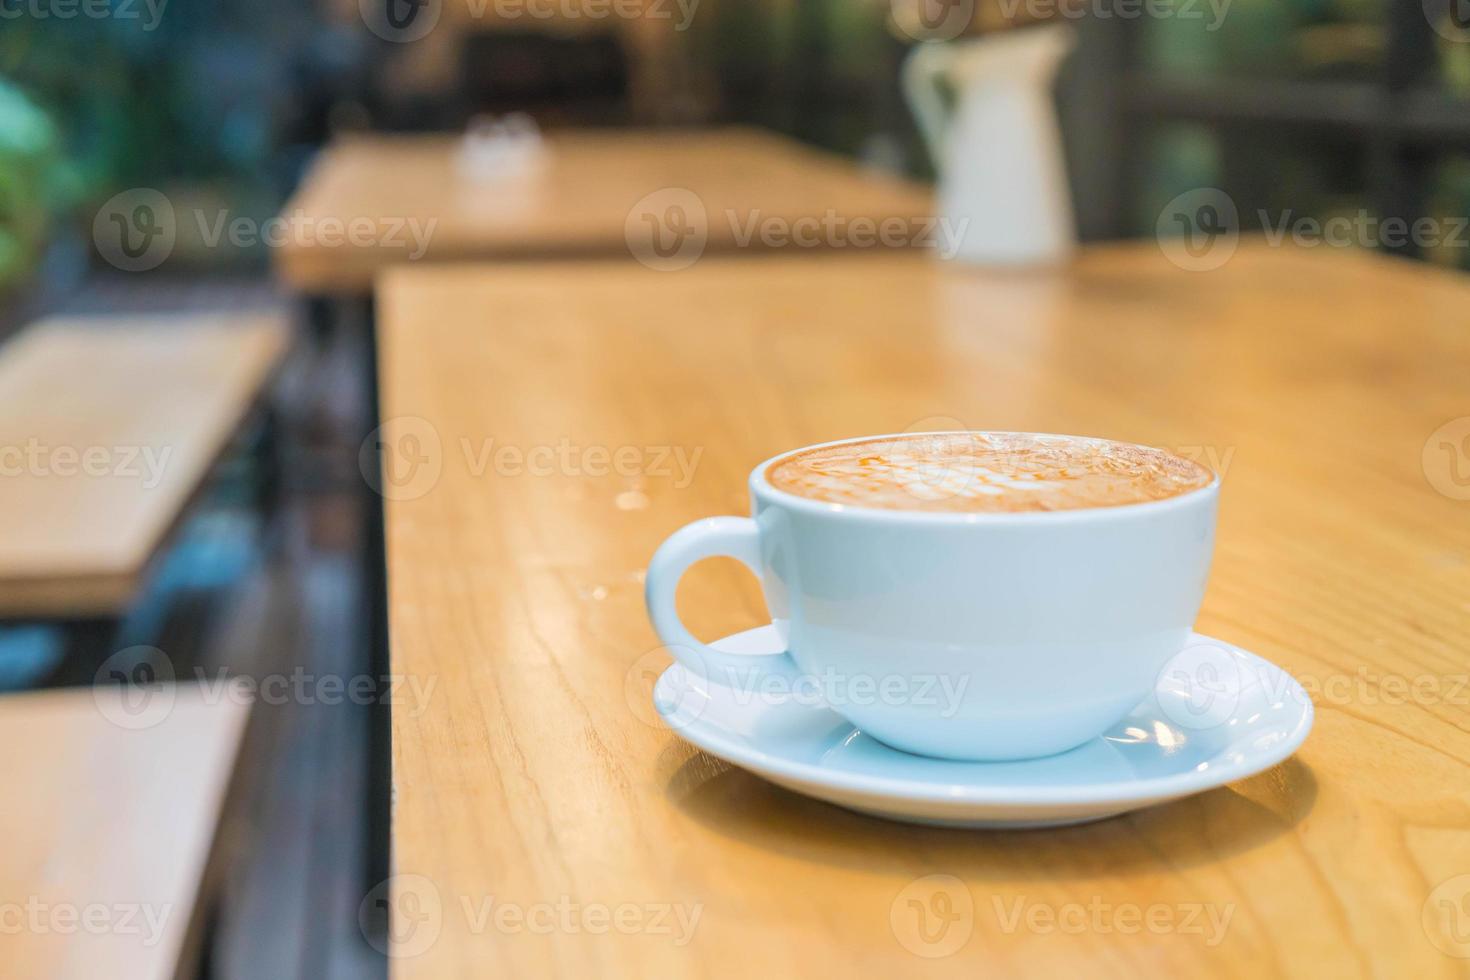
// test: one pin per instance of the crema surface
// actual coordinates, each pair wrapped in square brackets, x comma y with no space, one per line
[986,472]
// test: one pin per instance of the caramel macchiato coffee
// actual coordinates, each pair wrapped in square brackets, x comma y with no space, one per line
[985,471]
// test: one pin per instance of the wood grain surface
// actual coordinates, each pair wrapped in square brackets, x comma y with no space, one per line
[591,194]
[109,827]
[1331,390]
[107,426]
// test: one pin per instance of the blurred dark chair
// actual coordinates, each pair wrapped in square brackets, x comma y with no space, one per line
[560,80]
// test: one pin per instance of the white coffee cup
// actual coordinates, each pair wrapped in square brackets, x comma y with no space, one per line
[960,635]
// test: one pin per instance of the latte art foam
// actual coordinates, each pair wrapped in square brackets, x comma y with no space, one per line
[986,472]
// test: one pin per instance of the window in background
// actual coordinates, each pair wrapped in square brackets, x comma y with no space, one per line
[1254,40]
[1449,204]
[1322,109]
[189,102]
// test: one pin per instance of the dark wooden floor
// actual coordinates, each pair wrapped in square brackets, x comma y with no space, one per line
[291,900]
[261,599]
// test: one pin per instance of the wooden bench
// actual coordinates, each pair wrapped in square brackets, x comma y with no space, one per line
[110,828]
[108,426]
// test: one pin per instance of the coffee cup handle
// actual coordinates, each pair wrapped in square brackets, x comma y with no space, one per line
[713,537]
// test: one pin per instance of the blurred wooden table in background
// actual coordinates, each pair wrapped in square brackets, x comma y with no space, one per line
[113,851]
[586,196]
[111,425]
[1325,387]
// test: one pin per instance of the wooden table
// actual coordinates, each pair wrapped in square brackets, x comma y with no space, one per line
[538,777]
[373,202]
[578,201]
[107,426]
[110,827]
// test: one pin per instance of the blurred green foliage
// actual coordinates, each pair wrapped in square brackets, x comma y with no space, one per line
[183,102]
[31,183]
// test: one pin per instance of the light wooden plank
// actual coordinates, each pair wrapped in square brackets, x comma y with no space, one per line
[107,426]
[109,822]
[537,773]
[579,201]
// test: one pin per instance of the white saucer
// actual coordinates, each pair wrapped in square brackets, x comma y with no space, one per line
[1217,715]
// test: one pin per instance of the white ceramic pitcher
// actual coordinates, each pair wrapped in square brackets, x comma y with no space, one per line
[1002,177]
